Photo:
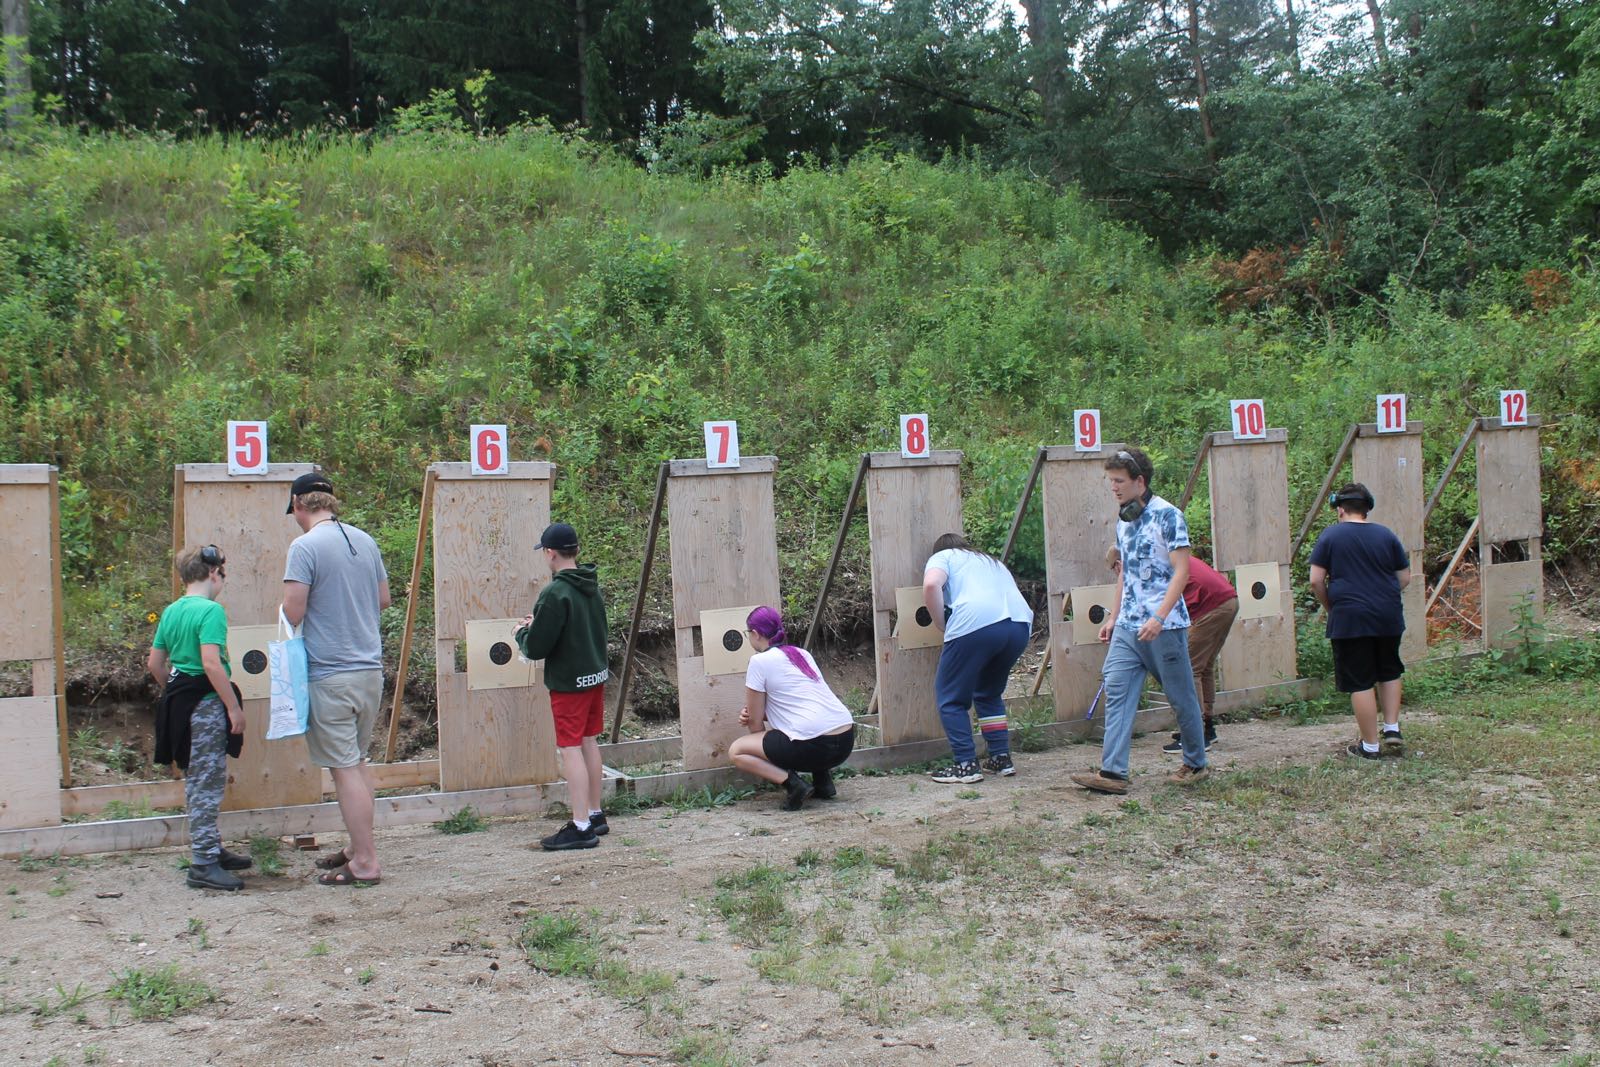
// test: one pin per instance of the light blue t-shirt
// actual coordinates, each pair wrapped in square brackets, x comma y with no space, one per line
[346,577]
[979,592]
[1146,545]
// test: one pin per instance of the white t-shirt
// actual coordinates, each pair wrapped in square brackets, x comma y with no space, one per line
[979,592]
[801,707]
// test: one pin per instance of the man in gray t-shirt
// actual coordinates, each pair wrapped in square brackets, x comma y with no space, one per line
[334,587]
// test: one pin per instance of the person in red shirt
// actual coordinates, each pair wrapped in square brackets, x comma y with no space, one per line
[1213,604]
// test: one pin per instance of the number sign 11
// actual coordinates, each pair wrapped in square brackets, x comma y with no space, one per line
[247,447]
[914,437]
[1513,407]
[489,453]
[722,444]
[1086,430]
[1249,419]
[1391,413]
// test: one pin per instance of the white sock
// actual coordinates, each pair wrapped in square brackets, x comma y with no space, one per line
[593,814]
[1366,746]
[1391,727]
[584,825]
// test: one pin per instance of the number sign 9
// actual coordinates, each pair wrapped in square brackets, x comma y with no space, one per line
[1513,407]
[1249,419]
[722,444]
[489,454]
[914,437]
[1086,429]
[1391,412]
[247,447]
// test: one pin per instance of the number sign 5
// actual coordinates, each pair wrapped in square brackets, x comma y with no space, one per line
[914,437]
[1249,419]
[489,455]
[247,447]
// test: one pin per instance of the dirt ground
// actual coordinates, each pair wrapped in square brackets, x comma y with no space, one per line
[1018,921]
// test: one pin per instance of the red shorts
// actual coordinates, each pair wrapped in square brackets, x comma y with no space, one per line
[578,715]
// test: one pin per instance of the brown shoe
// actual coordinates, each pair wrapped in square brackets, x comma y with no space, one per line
[1098,781]
[1187,775]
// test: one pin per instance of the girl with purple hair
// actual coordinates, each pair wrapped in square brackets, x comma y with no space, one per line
[795,721]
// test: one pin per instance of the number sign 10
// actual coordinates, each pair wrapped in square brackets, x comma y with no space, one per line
[914,437]
[722,444]
[1086,429]
[1249,419]
[1391,412]
[247,447]
[489,453]
[1513,407]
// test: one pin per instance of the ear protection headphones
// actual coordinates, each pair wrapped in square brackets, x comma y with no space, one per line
[212,556]
[1360,496]
[1131,511]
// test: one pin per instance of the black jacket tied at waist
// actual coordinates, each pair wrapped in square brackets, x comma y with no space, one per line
[182,695]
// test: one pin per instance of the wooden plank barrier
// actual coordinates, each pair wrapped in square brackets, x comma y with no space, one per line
[1512,524]
[1390,465]
[1080,523]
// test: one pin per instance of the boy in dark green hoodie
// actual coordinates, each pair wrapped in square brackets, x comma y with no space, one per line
[568,631]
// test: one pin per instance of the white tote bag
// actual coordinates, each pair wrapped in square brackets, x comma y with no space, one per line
[291,687]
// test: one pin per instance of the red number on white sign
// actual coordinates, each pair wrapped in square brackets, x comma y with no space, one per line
[1513,407]
[1086,426]
[1391,412]
[914,436]
[722,444]
[1249,419]
[247,448]
[489,450]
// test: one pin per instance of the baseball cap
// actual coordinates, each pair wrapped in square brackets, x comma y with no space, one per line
[559,536]
[307,483]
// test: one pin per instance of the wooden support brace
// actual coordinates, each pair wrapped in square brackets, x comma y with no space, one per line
[424,515]
[838,548]
[1327,487]
[638,599]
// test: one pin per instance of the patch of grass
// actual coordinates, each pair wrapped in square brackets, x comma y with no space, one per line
[65,1000]
[753,903]
[559,944]
[366,975]
[266,851]
[159,994]
[318,948]
[465,821]
[197,930]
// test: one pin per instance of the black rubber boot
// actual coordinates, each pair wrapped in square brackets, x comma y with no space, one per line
[796,789]
[822,786]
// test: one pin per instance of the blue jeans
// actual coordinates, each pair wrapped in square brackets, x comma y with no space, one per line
[1128,662]
[973,670]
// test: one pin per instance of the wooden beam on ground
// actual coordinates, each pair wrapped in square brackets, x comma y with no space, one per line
[636,753]
[638,598]
[1327,486]
[412,591]
[838,548]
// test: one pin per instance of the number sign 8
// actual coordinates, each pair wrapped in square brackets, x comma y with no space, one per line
[914,437]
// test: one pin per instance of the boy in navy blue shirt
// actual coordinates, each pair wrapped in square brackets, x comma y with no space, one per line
[1357,571]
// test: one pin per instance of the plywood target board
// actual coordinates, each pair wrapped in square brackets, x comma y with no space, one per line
[724,549]
[1511,590]
[913,626]
[1250,525]
[30,789]
[910,502]
[1390,465]
[488,568]
[493,659]
[1260,594]
[1080,523]
[243,515]
[1091,607]
[1508,482]
[31,629]
[247,654]
[724,641]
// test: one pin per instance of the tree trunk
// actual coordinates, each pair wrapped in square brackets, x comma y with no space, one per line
[1380,40]
[1201,91]
[1044,41]
[19,81]
[1293,22]
[580,9]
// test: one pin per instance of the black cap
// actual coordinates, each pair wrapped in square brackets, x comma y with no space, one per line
[559,536]
[307,483]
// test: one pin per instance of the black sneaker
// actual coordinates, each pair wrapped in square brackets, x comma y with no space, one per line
[1000,765]
[232,861]
[959,773]
[1390,744]
[1355,749]
[795,791]
[822,786]
[597,824]
[212,876]
[569,836]
[1175,746]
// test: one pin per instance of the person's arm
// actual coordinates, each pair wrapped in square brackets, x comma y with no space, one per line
[754,713]
[217,675]
[933,596]
[538,637]
[158,665]
[295,595]
[1169,600]
[1115,609]
[1319,585]
[384,599]
[1403,576]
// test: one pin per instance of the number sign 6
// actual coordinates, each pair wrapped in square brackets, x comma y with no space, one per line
[489,455]
[1086,429]
[722,444]
[1249,419]
[247,447]
[1513,407]
[1391,412]
[914,437]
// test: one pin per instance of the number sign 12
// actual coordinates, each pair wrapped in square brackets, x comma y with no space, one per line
[1513,407]
[1391,412]
[722,444]
[1086,429]
[489,453]
[1249,419]
[247,447]
[914,437]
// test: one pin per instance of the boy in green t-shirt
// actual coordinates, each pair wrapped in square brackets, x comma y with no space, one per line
[199,709]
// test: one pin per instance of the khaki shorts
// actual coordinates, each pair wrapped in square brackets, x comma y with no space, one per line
[344,708]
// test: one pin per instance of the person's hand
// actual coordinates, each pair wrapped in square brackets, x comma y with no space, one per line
[1105,632]
[1151,629]
[236,721]
[744,716]
[527,620]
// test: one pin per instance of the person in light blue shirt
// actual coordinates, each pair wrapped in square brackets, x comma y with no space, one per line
[1148,629]
[973,598]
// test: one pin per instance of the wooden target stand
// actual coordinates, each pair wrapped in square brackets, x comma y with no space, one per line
[724,551]
[34,762]
[1511,525]
[1390,465]
[1080,523]
[910,502]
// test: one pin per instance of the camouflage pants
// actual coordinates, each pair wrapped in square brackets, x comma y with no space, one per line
[207,774]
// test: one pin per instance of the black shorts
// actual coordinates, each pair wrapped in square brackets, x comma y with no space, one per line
[816,754]
[1359,663]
